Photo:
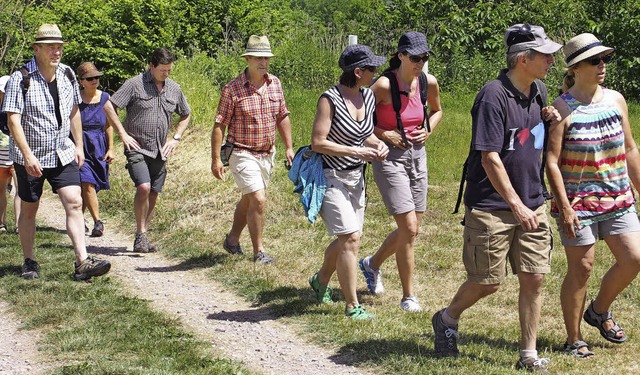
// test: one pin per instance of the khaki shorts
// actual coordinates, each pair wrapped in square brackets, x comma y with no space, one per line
[402,179]
[251,173]
[344,200]
[490,237]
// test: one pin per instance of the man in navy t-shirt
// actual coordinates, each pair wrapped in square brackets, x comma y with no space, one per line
[505,214]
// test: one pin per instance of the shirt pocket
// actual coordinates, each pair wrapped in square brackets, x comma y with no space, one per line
[274,107]
[146,102]
[170,104]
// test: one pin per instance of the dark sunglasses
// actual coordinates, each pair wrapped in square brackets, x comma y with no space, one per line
[522,35]
[596,60]
[372,69]
[417,59]
[90,78]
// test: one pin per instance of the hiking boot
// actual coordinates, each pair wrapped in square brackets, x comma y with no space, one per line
[91,267]
[141,244]
[410,304]
[446,338]
[530,364]
[232,249]
[373,277]
[262,257]
[323,292]
[30,269]
[98,229]
[358,313]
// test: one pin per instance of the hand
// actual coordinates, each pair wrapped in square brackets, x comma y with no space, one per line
[418,135]
[551,115]
[383,151]
[169,147]
[32,166]
[289,153]
[129,142]
[570,223]
[527,218]
[79,156]
[108,156]
[217,168]
[366,153]
[394,138]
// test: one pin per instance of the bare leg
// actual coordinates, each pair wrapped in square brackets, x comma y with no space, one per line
[90,200]
[574,288]
[3,199]
[28,227]
[529,305]
[153,198]
[255,218]
[239,220]
[329,262]
[141,206]
[70,196]
[467,295]
[16,199]
[346,258]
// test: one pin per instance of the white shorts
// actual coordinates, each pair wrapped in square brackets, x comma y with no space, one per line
[344,201]
[251,173]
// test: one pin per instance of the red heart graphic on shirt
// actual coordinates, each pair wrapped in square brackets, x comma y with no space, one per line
[523,135]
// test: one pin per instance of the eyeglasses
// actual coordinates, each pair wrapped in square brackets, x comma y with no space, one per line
[522,35]
[417,59]
[90,78]
[596,60]
[372,69]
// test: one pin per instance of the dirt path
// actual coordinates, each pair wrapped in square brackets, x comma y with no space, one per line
[230,324]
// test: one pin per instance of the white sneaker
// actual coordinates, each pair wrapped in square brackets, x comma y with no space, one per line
[373,277]
[410,304]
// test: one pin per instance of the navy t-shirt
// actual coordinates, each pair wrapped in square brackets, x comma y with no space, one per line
[507,122]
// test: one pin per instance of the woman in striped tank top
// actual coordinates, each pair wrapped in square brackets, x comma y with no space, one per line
[343,134]
[592,160]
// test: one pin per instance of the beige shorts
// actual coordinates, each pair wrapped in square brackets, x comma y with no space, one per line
[490,237]
[251,173]
[344,200]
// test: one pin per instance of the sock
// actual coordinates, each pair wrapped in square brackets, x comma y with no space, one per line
[448,320]
[529,354]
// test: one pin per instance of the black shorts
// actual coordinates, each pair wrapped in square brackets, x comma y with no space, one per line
[144,169]
[30,187]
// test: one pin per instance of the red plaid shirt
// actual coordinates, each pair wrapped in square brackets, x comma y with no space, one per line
[250,114]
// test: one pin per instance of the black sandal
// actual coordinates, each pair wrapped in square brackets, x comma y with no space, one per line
[574,349]
[596,320]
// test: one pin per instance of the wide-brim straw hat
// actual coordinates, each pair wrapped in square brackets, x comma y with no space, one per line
[583,46]
[88,69]
[48,34]
[258,46]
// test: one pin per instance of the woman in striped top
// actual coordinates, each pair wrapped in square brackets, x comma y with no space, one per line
[343,134]
[592,160]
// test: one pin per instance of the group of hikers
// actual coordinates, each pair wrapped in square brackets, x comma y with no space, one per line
[62,132]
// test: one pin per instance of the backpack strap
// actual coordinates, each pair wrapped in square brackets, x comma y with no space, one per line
[26,81]
[465,166]
[70,76]
[541,99]
[397,103]
[424,88]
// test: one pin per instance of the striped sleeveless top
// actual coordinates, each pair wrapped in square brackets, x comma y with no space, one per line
[347,131]
[593,161]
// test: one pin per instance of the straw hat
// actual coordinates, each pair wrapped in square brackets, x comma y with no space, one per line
[582,47]
[258,46]
[88,69]
[48,34]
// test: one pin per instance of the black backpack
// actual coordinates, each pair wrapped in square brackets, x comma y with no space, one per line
[24,85]
[397,104]
[541,99]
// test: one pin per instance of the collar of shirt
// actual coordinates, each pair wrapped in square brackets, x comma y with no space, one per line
[244,81]
[512,90]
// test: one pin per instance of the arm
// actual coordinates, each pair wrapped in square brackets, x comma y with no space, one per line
[171,144]
[557,130]
[217,168]
[494,168]
[284,129]
[320,143]
[31,163]
[382,90]
[113,119]
[420,135]
[76,132]
[108,156]
[631,149]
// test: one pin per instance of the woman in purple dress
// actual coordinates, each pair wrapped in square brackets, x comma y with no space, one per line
[98,120]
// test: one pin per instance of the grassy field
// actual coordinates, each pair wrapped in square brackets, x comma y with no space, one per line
[195,210]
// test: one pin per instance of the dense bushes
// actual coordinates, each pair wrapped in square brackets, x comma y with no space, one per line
[308,35]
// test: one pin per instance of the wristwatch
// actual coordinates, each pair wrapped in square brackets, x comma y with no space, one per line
[177,137]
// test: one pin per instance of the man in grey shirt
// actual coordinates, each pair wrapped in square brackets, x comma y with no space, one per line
[151,98]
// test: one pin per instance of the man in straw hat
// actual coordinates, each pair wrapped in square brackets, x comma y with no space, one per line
[40,122]
[151,98]
[252,106]
[505,216]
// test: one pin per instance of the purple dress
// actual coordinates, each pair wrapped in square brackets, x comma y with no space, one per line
[95,170]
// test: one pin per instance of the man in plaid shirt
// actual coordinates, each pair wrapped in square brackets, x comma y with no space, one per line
[40,122]
[252,107]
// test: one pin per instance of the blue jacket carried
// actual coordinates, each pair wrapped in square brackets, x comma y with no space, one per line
[308,177]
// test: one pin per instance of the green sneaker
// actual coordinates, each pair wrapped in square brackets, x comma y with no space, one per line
[358,313]
[323,292]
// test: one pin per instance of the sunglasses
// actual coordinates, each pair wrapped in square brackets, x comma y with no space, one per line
[90,78]
[417,59]
[522,35]
[372,69]
[596,60]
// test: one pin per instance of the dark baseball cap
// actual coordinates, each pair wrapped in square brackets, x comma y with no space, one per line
[522,37]
[414,43]
[357,56]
